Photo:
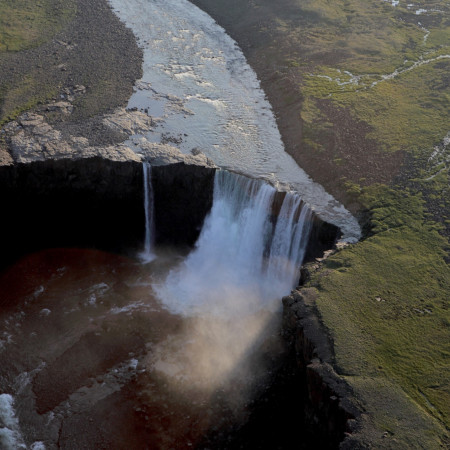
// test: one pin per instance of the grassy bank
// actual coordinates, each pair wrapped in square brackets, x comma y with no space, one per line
[385,302]
[25,25]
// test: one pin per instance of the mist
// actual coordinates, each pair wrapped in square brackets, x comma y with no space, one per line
[229,290]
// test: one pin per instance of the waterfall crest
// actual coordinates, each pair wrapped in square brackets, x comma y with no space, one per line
[248,253]
[147,254]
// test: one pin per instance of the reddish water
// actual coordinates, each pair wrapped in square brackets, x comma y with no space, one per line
[93,360]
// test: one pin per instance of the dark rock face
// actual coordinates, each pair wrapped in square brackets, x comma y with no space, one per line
[322,238]
[98,203]
[327,409]
[183,197]
[86,202]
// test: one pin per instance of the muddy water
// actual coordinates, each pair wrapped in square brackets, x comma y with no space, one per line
[90,359]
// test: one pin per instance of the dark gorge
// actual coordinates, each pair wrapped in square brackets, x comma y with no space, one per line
[97,204]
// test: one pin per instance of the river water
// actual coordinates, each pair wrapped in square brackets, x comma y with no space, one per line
[203,94]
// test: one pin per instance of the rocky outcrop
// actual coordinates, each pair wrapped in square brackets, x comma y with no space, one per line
[329,410]
[322,238]
[58,189]
[32,138]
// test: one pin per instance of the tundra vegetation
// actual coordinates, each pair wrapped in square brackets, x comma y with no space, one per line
[24,25]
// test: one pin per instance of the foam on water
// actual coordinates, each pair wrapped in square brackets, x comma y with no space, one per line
[10,435]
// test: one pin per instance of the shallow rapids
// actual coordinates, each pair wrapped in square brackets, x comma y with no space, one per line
[202,94]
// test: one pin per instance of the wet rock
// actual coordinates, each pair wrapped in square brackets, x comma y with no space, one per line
[162,154]
[128,121]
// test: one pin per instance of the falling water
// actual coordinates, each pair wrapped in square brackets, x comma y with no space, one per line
[147,255]
[289,241]
[247,256]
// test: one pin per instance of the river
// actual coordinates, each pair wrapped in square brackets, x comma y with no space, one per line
[203,94]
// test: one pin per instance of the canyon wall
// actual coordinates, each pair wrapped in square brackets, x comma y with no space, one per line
[98,203]
[329,410]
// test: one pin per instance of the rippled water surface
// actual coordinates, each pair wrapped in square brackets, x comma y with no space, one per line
[203,94]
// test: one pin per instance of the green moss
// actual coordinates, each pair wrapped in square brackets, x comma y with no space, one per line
[22,97]
[376,37]
[386,301]
[25,24]
[402,425]
[407,113]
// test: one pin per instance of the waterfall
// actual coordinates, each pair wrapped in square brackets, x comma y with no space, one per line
[290,238]
[247,255]
[147,254]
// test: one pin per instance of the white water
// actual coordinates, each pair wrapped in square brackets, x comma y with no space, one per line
[147,255]
[203,93]
[10,435]
[243,261]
